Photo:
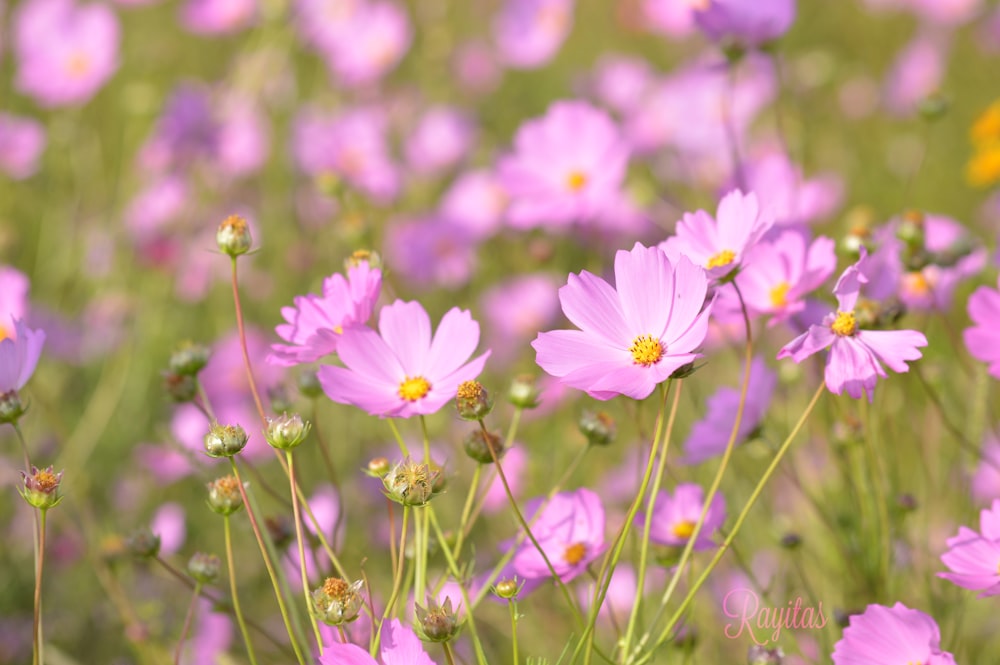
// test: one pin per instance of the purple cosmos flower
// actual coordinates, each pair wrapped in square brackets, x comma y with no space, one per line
[184,132]
[476,202]
[787,195]
[780,273]
[675,517]
[65,52]
[709,436]
[570,530]
[567,166]
[974,558]
[22,141]
[315,323]
[218,17]
[19,355]
[430,252]
[634,336]
[443,137]
[14,287]
[529,33]
[399,646]
[402,370]
[983,338]
[889,636]
[745,23]
[719,244]
[373,40]
[854,360]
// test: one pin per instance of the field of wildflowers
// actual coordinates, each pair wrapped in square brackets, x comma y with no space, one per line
[410,332]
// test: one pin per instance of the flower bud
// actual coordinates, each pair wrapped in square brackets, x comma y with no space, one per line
[437,622]
[377,467]
[410,483]
[761,655]
[479,443]
[337,602]
[225,440]
[224,495]
[41,488]
[685,370]
[204,568]
[143,543]
[599,428]
[791,541]
[363,256]
[286,432]
[472,401]
[10,407]
[934,107]
[524,392]
[508,589]
[233,236]
[309,385]
[189,359]
[181,387]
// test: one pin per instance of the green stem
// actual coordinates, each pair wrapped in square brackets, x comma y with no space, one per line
[236,598]
[397,583]
[467,510]
[39,567]
[302,550]
[448,654]
[512,606]
[187,623]
[24,447]
[243,347]
[399,438]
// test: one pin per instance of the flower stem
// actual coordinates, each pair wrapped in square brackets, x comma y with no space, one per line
[39,567]
[243,347]
[24,447]
[397,583]
[301,547]
[467,509]
[512,606]
[187,623]
[448,654]
[232,587]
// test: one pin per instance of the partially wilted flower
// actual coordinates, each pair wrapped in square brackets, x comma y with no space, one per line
[337,602]
[286,431]
[233,236]
[189,359]
[224,495]
[483,446]
[472,401]
[204,568]
[41,488]
[411,483]
[225,440]
[437,622]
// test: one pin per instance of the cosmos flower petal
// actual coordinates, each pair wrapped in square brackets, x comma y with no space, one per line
[457,336]
[406,329]
[893,347]
[852,367]
[362,350]
[594,306]
[371,394]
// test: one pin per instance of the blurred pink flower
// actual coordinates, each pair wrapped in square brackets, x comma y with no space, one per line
[974,558]
[218,17]
[14,287]
[515,463]
[430,252]
[476,68]
[476,202]
[169,524]
[634,336]
[65,52]
[983,338]
[567,166]
[674,18]
[399,646]
[375,38]
[744,23]
[854,359]
[916,74]
[620,82]
[22,141]
[19,354]
[516,311]
[986,480]
[403,370]
[621,593]
[890,635]
[676,515]
[529,33]
[161,202]
[243,138]
[314,323]
[787,195]
[212,635]
[569,529]
[443,136]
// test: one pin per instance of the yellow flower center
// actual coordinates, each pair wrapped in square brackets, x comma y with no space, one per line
[413,388]
[46,480]
[845,324]
[684,529]
[917,283]
[339,330]
[723,258]
[575,553]
[576,181]
[646,350]
[779,294]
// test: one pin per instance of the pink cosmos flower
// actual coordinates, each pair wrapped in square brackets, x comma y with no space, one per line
[570,530]
[889,636]
[675,517]
[442,137]
[780,273]
[430,252]
[674,18]
[954,255]
[162,201]
[399,646]
[19,356]
[983,338]
[917,72]
[475,201]
[217,17]
[315,323]
[402,370]
[212,635]
[974,558]
[719,244]
[14,287]
[709,436]
[529,33]
[65,52]
[746,23]
[786,194]
[619,82]
[854,360]
[515,465]
[22,141]
[373,40]
[634,336]
[170,525]
[567,166]
[475,66]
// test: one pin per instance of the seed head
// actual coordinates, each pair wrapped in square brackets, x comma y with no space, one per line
[224,495]
[337,602]
[472,401]
[225,440]
[233,236]
[437,622]
[411,484]
[204,568]
[478,444]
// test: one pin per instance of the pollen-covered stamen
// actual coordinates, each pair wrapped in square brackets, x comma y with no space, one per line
[413,388]
[845,324]
[576,181]
[779,294]
[723,258]
[575,553]
[684,529]
[646,350]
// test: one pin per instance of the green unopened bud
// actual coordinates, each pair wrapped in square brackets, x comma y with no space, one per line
[286,431]
[41,487]
[189,359]
[204,568]
[377,467]
[181,387]
[507,589]
[233,236]
[309,385]
[11,407]
[483,446]
[225,440]
[934,107]
[224,495]
[524,392]
[472,401]
[363,256]
[411,483]
[599,428]
[685,370]
[144,544]
[337,602]
[437,622]
[761,655]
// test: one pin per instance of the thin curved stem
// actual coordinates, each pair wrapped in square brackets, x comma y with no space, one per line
[39,568]
[302,550]
[232,587]
[243,347]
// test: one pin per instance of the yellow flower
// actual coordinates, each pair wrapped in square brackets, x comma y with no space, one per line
[984,167]
[986,130]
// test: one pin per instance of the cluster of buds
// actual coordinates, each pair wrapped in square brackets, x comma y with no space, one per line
[286,431]
[599,428]
[411,483]
[225,440]
[204,568]
[41,487]
[483,446]
[233,236]
[438,623]
[337,602]
[224,495]
[11,408]
[472,401]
